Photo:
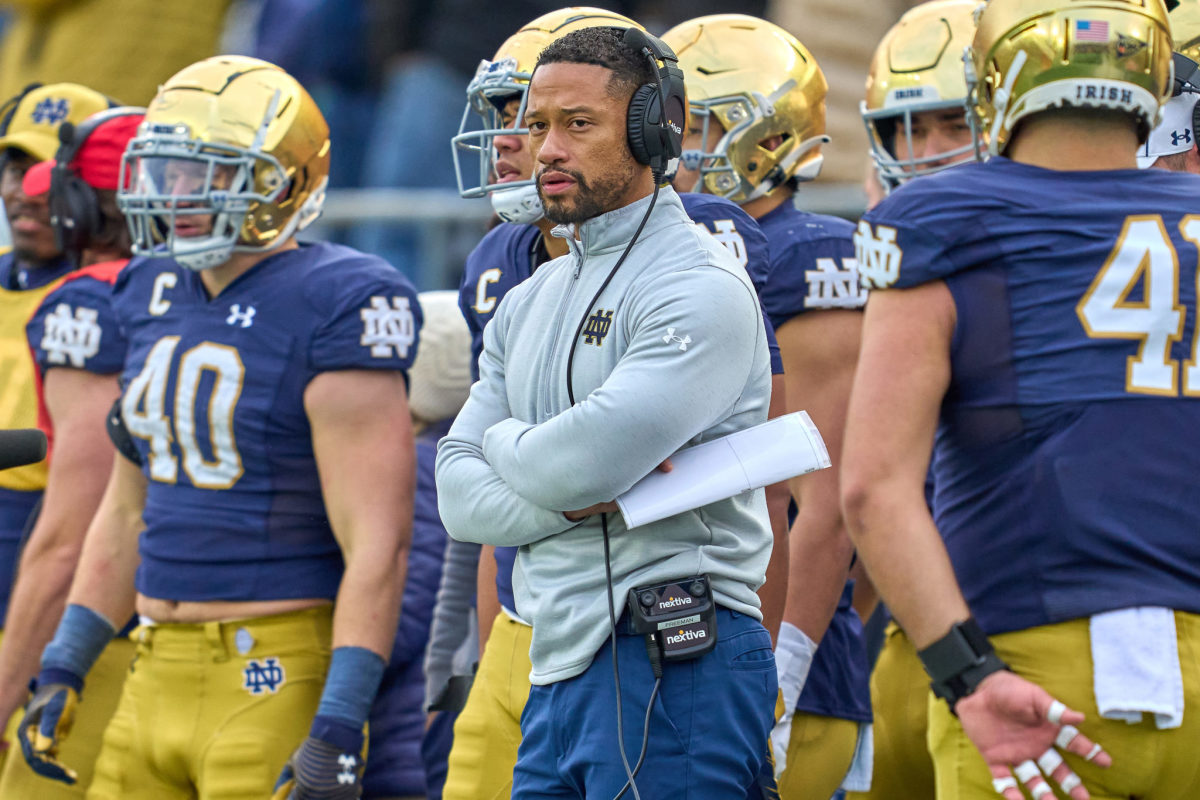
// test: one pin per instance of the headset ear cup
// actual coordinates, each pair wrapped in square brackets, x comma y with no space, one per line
[75,211]
[643,135]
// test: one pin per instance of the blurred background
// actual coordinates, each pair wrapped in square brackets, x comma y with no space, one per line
[391,78]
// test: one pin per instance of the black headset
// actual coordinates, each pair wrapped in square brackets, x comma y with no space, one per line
[74,208]
[655,138]
[1187,80]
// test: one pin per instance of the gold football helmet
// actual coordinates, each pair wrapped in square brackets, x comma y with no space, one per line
[232,139]
[758,82]
[1185,28]
[495,84]
[1032,55]
[918,67]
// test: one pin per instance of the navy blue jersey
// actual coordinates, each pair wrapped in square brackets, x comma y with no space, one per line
[741,235]
[397,722]
[813,264]
[839,681]
[213,396]
[1069,440]
[76,325]
[813,268]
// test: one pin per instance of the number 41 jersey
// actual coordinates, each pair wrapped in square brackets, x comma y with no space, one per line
[214,398]
[1068,449]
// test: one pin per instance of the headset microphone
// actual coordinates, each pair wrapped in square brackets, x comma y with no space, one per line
[21,447]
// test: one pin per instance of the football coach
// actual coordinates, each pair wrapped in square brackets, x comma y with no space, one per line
[644,339]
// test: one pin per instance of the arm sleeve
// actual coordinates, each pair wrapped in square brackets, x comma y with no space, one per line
[75,327]
[659,397]
[476,504]
[451,615]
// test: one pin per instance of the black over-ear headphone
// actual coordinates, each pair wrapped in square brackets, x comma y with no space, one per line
[1187,79]
[656,138]
[74,207]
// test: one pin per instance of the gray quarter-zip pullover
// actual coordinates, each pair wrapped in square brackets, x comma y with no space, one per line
[673,353]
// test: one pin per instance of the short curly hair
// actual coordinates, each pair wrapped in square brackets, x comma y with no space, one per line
[604,47]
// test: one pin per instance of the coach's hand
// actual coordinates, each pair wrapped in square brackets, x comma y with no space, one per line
[1020,729]
[611,506]
[48,719]
[324,770]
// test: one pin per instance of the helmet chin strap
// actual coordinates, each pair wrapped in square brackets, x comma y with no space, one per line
[1001,98]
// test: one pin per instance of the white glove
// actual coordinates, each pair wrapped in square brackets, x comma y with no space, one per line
[794,653]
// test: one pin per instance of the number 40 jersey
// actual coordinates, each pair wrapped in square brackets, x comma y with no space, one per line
[1068,449]
[214,398]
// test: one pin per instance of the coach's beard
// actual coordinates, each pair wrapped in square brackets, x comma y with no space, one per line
[588,201]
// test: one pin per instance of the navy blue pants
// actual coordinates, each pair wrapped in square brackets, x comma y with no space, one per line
[708,727]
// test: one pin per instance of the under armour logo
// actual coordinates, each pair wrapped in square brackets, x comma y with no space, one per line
[832,287]
[388,328]
[239,317]
[51,110]
[1181,137]
[71,338]
[878,256]
[347,763]
[597,327]
[263,676]
[682,341]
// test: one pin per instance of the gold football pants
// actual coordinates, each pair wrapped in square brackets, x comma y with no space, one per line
[214,710]
[903,769]
[1148,763]
[488,731]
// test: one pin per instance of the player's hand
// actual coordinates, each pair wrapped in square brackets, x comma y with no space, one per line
[319,770]
[48,719]
[1020,730]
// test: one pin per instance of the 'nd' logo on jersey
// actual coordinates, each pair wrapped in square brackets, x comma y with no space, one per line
[387,328]
[263,676]
[597,327]
[878,255]
[71,338]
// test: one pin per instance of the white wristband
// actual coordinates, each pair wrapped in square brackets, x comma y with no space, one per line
[794,653]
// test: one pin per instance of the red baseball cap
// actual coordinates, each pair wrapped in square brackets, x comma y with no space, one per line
[98,161]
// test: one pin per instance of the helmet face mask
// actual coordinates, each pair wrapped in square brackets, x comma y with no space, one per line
[745,125]
[917,73]
[767,94]
[493,88]
[495,84]
[238,168]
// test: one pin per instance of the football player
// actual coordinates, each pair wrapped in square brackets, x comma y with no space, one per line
[439,381]
[79,349]
[757,100]
[29,126]
[487,734]
[1036,313]
[264,391]
[916,113]
[915,104]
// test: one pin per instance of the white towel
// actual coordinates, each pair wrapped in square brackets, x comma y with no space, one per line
[858,777]
[1136,660]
